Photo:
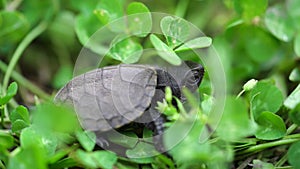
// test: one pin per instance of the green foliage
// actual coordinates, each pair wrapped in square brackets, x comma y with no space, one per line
[270,126]
[265,97]
[293,155]
[255,39]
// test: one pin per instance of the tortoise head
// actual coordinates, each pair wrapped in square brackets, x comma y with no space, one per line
[193,76]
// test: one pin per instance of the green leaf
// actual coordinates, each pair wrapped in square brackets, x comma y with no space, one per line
[139,19]
[293,99]
[249,9]
[295,75]
[142,153]
[293,155]
[235,122]
[20,113]
[87,139]
[294,115]
[126,50]
[45,116]
[265,97]
[270,126]
[257,164]
[62,76]
[293,11]
[12,89]
[297,44]
[176,30]
[125,139]
[43,10]
[262,40]
[35,136]
[18,126]
[113,8]
[97,159]
[201,42]
[6,140]
[11,92]
[30,157]
[279,23]
[13,27]
[164,51]
[83,31]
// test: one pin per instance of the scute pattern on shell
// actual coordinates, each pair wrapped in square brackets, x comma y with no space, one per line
[110,97]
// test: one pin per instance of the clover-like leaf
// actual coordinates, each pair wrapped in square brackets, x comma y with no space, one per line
[126,50]
[265,97]
[164,51]
[20,113]
[279,23]
[11,92]
[201,42]
[176,30]
[270,126]
[139,19]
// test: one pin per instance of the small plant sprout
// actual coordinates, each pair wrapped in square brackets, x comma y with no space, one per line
[248,86]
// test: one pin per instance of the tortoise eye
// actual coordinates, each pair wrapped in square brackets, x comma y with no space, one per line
[193,77]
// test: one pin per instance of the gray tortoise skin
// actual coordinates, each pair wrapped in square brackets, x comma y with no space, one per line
[111,97]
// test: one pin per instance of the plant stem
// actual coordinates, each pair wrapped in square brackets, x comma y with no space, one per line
[2,116]
[181,8]
[291,129]
[20,49]
[26,83]
[281,161]
[261,147]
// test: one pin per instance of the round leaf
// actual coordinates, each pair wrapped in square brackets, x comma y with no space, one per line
[31,157]
[235,122]
[265,97]
[18,125]
[294,154]
[34,136]
[164,51]
[270,126]
[176,30]
[139,19]
[126,51]
[21,113]
[279,23]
